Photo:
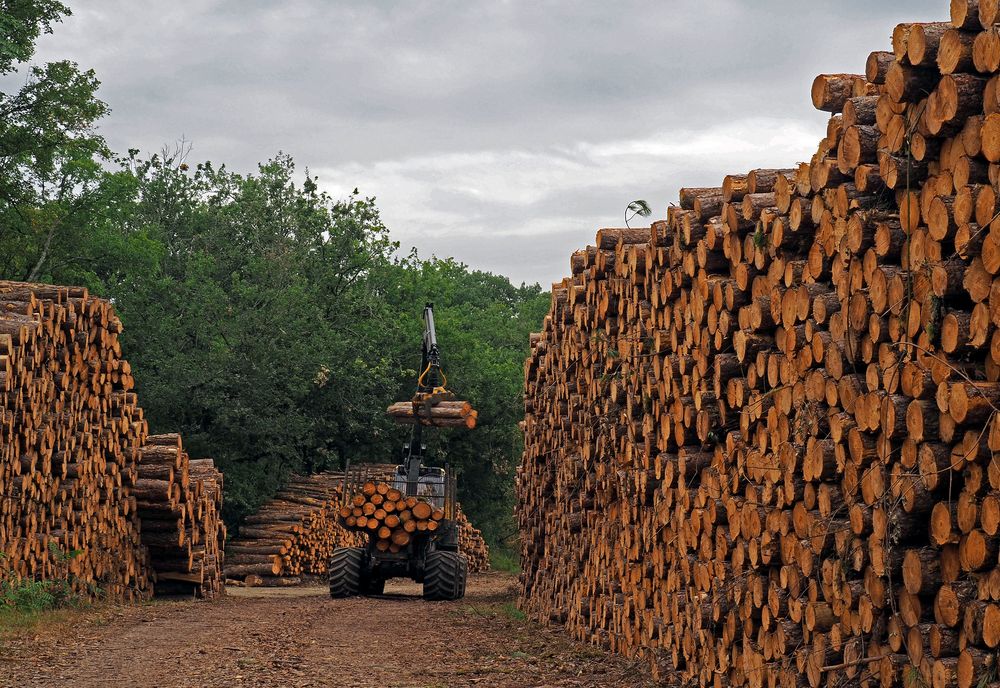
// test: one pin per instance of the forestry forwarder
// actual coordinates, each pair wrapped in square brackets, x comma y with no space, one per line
[431,557]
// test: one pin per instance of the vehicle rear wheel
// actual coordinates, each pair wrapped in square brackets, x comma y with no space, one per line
[463,569]
[345,572]
[443,577]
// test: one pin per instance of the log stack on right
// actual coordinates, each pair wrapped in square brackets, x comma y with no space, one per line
[762,435]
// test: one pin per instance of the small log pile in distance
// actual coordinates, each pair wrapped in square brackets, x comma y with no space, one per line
[471,543]
[446,414]
[179,501]
[762,436]
[70,430]
[388,516]
[292,535]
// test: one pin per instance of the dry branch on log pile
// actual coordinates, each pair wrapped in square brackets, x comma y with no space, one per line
[761,439]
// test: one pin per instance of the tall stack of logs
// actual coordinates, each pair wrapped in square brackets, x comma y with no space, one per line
[292,535]
[761,435]
[70,431]
[180,506]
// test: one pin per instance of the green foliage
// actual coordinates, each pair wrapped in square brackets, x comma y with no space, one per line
[637,208]
[35,596]
[21,23]
[25,598]
[267,322]
[511,611]
[50,171]
[504,559]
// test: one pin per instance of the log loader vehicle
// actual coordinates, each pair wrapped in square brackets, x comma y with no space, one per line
[430,558]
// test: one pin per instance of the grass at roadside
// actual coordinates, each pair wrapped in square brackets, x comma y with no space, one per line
[24,604]
[504,560]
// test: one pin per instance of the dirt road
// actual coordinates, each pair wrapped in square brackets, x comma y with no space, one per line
[299,637]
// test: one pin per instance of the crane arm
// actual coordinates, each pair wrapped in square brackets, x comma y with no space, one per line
[429,379]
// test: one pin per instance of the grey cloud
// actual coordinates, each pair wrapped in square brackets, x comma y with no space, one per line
[368,93]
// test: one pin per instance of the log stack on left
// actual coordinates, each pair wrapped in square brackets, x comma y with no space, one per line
[70,431]
[180,505]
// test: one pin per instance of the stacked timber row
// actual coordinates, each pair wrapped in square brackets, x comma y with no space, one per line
[70,430]
[761,436]
[471,543]
[388,516]
[179,501]
[292,535]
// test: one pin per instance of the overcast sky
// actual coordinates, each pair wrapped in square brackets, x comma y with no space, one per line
[503,133]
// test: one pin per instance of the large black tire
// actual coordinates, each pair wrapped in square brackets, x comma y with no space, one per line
[463,569]
[372,586]
[345,572]
[443,576]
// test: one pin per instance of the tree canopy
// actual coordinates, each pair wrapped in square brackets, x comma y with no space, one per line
[266,321]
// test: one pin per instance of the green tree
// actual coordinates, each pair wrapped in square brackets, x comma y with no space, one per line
[483,325]
[266,321]
[50,154]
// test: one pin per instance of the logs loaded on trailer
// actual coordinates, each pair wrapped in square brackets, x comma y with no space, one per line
[179,501]
[71,429]
[389,516]
[292,535]
[762,444]
[470,539]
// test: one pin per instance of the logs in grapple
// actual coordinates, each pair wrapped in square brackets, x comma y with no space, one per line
[293,534]
[180,506]
[445,414]
[70,430]
[388,516]
[761,437]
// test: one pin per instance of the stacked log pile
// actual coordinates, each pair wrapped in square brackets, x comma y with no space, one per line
[70,430]
[761,435]
[292,535]
[391,518]
[471,543]
[179,502]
